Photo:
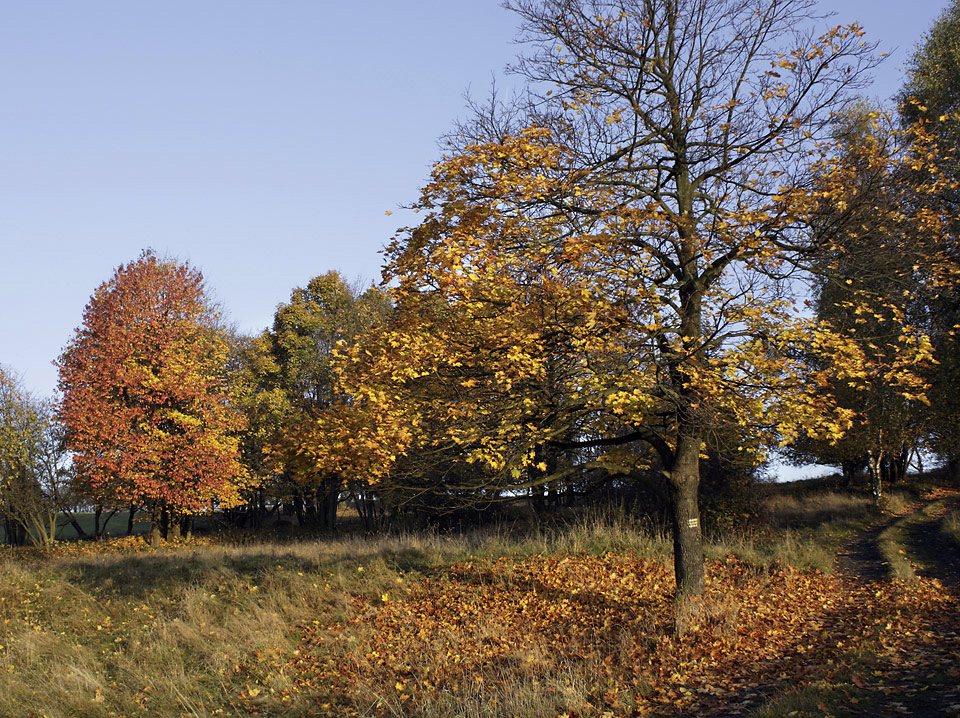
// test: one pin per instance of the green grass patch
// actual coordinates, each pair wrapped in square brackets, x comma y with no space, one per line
[115,526]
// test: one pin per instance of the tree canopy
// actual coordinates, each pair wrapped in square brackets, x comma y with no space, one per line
[612,264]
[145,394]
[931,99]
[301,420]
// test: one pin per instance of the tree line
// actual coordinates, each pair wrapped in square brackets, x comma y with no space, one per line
[686,243]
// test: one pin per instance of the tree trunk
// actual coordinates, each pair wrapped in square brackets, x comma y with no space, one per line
[165,523]
[81,534]
[684,483]
[133,511]
[849,470]
[362,510]
[106,520]
[902,462]
[13,531]
[328,507]
[876,477]
[52,526]
[298,507]
[173,527]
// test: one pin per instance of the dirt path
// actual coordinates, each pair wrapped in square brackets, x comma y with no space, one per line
[861,561]
[925,684]
[937,555]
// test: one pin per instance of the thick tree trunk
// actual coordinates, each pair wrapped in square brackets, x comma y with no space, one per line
[328,507]
[298,508]
[684,476]
[684,484]
[849,470]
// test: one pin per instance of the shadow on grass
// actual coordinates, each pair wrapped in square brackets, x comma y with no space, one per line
[169,573]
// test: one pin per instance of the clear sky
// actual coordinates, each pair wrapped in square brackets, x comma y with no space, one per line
[261,141]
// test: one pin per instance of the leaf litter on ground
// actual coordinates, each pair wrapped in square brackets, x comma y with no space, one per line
[602,636]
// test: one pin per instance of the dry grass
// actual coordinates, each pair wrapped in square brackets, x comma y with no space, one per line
[508,690]
[898,502]
[893,545]
[168,632]
[815,509]
[185,631]
[807,528]
[594,532]
[950,526]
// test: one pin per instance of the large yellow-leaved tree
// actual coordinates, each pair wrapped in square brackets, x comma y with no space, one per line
[611,264]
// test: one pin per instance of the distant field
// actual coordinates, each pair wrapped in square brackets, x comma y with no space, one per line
[116,526]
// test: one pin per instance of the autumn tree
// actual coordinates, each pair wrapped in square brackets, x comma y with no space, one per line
[871,288]
[19,430]
[930,98]
[931,93]
[31,465]
[264,405]
[36,487]
[299,416]
[660,188]
[146,405]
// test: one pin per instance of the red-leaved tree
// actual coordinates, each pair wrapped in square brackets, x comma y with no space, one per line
[146,401]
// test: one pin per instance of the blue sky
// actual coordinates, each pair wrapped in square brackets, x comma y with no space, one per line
[262,141]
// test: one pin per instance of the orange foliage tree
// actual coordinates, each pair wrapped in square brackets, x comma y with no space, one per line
[302,426]
[616,270]
[145,401]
